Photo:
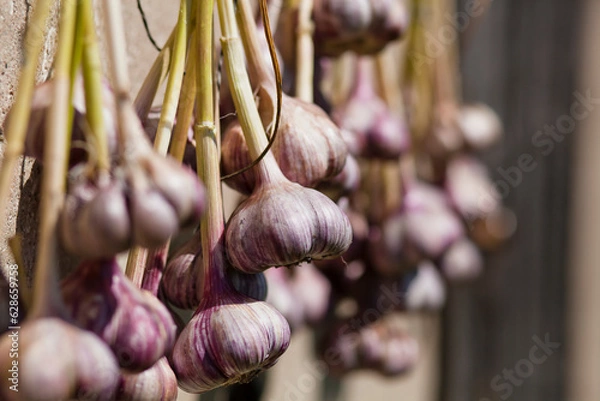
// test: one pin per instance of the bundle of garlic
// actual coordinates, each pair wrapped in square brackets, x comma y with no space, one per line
[359,202]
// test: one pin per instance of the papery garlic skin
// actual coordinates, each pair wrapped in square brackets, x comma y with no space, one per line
[283,225]
[229,342]
[58,361]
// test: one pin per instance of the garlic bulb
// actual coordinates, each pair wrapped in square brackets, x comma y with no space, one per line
[82,367]
[182,279]
[134,323]
[40,106]
[308,148]
[426,291]
[361,26]
[462,261]
[428,221]
[377,132]
[231,337]
[381,346]
[142,204]
[479,124]
[157,383]
[284,224]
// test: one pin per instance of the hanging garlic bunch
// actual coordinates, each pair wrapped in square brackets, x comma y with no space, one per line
[308,147]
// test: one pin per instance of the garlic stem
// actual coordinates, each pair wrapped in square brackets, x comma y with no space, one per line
[92,80]
[169,106]
[76,55]
[212,224]
[242,95]
[136,264]
[419,72]
[260,74]
[389,87]
[158,72]
[185,108]
[446,65]
[47,298]
[156,259]
[17,126]
[305,52]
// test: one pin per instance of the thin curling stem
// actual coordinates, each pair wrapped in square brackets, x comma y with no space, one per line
[92,81]
[305,52]
[21,110]
[169,106]
[207,142]
[47,298]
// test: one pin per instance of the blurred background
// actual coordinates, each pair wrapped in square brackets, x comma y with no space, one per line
[532,61]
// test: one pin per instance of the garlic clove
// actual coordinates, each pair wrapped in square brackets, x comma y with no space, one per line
[179,186]
[285,224]
[462,261]
[157,383]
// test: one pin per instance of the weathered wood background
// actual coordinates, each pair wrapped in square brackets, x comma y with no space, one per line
[523,61]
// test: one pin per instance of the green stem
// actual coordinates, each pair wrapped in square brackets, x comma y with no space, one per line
[92,81]
[47,298]
[207,147]
[17,126]
[185,108]
[169,106]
